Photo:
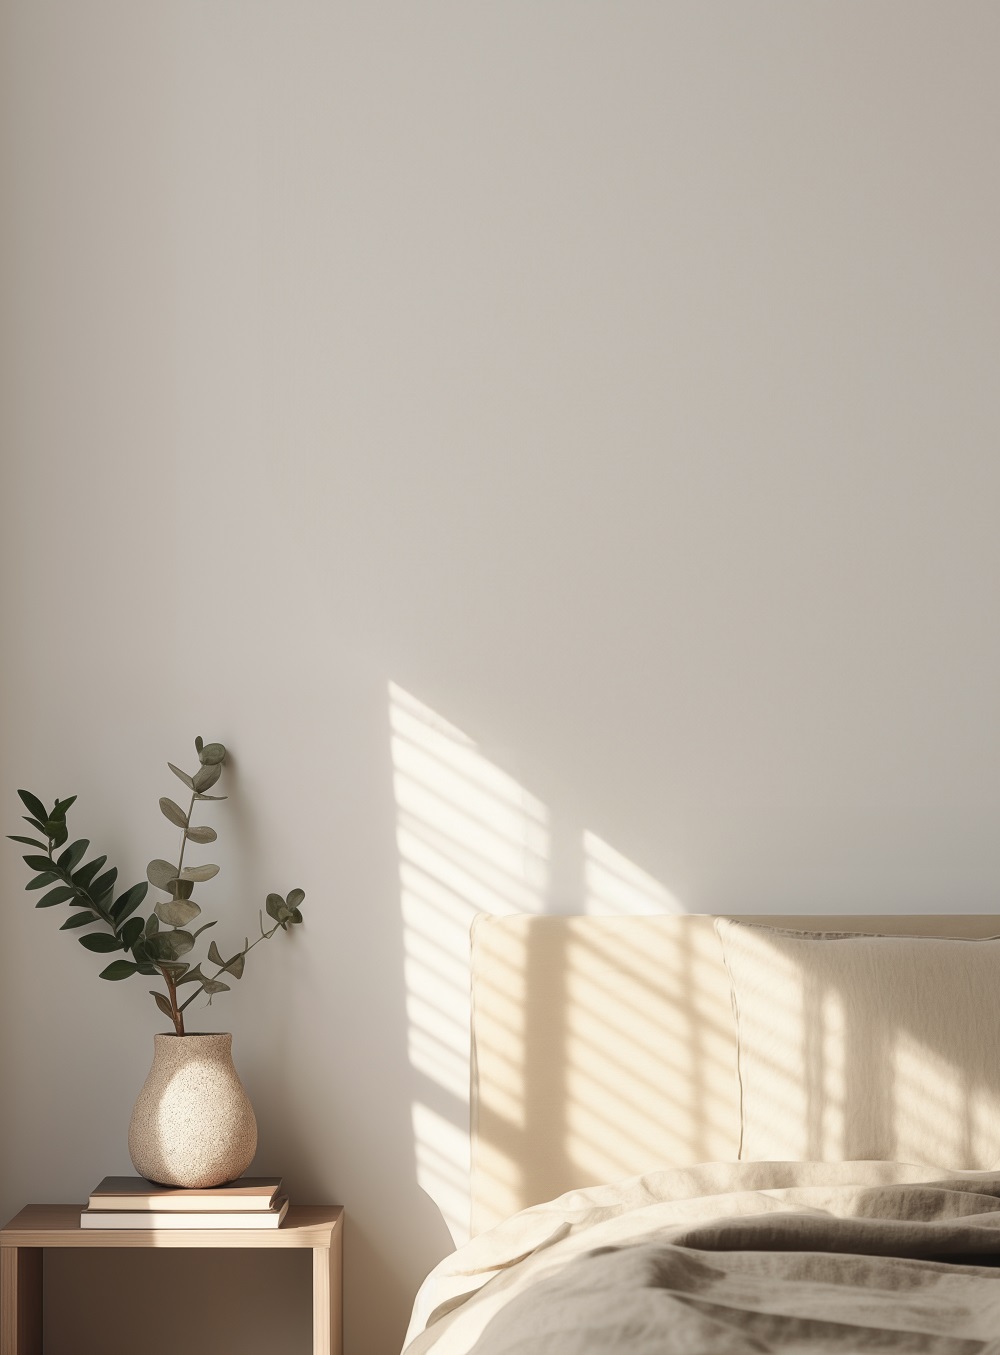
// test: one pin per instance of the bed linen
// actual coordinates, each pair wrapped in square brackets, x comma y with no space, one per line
[728,1259]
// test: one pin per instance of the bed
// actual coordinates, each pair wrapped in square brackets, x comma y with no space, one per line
[693,1135]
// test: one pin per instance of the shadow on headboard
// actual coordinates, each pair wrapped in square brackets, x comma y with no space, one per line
[603,1047]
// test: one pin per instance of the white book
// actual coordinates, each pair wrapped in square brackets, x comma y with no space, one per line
[134,1218]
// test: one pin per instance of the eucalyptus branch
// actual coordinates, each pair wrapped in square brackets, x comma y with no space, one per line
[155,950]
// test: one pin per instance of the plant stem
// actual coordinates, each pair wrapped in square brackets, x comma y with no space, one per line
[176,1013]
[184,836]
[264,936]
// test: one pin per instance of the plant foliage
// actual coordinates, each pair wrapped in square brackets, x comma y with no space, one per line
[152,949]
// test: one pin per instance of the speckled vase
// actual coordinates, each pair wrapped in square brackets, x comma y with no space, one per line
[193,1124]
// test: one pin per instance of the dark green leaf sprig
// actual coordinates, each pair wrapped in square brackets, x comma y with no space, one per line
[154,949]
[88,887]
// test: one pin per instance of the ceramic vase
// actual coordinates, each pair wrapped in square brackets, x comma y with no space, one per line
[192,1124]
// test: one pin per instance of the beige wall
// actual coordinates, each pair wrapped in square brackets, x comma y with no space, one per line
[616,380]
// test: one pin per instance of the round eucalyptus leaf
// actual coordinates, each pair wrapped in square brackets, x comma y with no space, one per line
[206,777]
[295,898]
[159,873]
[169,945]
[212,753]
[196,873]
[177,912]
[173,812]
[202,834]
[273,905]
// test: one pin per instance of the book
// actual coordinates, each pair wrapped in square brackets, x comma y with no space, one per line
[175,1218]
[252,1193]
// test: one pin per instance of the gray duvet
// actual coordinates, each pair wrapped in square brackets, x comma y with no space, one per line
[728,1259]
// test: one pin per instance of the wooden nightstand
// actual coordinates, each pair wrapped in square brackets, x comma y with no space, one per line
[319,1227]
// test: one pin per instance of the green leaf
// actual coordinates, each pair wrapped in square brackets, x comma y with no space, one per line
[196,873]
[161,1002]
[192,976]
[78,920]
[104,884]
[159,873]
[215,955]
[60,807]
[59,895]
[73,855]
[36,824]
[206,777]
[119,969]
[131,932]
[211,797]
[29,841]
[86,873]
[58,833]
[204,927]
[33,805]
[146,968]
[295,898]
[126,904]
[169,945]
[213,986]
[296,916]
[199,744]
[171,810]
[101,942]
[274,905]
[177,912]
[212,754]
[48,877]
[152,925]
[182,889]
[200,834]
[38,862]
[183,775]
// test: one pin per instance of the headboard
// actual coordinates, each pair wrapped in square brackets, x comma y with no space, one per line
[603,1047]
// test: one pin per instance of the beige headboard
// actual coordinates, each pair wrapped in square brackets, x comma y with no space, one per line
[605,1046]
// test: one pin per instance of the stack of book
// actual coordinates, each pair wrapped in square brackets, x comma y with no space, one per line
[131,1202]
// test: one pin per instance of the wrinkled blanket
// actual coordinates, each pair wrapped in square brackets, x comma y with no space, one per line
[728,1259]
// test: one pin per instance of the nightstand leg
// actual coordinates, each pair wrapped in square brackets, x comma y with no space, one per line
[20,1301]
[328,1318]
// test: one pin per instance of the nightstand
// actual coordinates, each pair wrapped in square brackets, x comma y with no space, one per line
[318,1227]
